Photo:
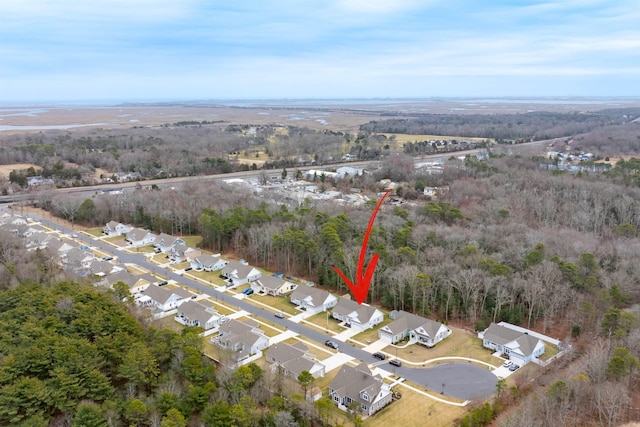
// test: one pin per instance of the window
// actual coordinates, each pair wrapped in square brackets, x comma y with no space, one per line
[364,408]
[336,398]
[365,396]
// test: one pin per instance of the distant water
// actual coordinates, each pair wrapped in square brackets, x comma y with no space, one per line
[46,127]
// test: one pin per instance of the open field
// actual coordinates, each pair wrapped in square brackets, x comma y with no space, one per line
[5,170]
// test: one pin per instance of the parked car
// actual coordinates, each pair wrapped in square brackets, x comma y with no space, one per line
[188,269]
[107,258]
[379,356]
[279,315]
[164,282]
[331,344]
[507,363]
[248,291]
[513,367]
[395,362]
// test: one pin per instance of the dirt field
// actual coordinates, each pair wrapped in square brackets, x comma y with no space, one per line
[5,170]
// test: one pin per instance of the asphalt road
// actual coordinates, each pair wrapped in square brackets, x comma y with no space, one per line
[458,380]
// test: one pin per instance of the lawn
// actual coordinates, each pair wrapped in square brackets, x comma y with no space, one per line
[117,241]
[320,322]
[550,350]
[191,241]
[459,343]
[277,303]
[160,259]
[415,409]
[207,276]
[95,232]
[168,323]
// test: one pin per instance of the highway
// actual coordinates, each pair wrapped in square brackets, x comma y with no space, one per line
[32,194]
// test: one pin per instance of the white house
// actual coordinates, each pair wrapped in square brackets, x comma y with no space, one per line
[208,263]
[520,347]
[360,385]
[312,299]
[192,313]
[293,359]
[137,284]
[164,299]
[358,316]
[243,339]
[418,329]
[272,286]
[164,242]
[139,237]
[240,273]
[113,228]
[181,252]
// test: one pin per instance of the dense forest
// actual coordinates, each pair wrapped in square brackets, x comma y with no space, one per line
[74,355]
[533,126]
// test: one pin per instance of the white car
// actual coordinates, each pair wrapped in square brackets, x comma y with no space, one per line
[507,363]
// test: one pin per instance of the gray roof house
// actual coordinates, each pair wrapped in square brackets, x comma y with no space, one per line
[136,284]
[79,258]
[164,242]
[181,252]
[102,268]
[273,286]
[358,316]
[140,237]
[313,300]
[113,228]
[418,329]
[240,273]
[242,338]
[164,299]
[208,262]
[192,313]
[520,347]
[293,359]
[359,385]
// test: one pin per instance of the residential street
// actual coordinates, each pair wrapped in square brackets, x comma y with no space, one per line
[461,380]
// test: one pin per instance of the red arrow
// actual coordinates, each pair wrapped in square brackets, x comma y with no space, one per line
[363,279]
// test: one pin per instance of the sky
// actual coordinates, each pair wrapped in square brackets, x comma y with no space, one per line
[163,50]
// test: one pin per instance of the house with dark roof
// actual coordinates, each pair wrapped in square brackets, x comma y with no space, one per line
[520,347]
[418,329]
[79,258]
[242,339]
[272,286]
[239,273]
[192,313]
[359,385]
[312,299]
[164,242]
[358,316]
[103,268]
[293,359]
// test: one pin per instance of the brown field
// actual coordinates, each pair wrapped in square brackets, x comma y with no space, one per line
[5,170]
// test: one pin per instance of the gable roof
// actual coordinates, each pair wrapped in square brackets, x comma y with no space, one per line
[352,381]
[271,282]
[409,321]
[137,234]
[240,269]
[347,307]
[525,344]
[500,335]
[161,295]
[314,297]
[195,311]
